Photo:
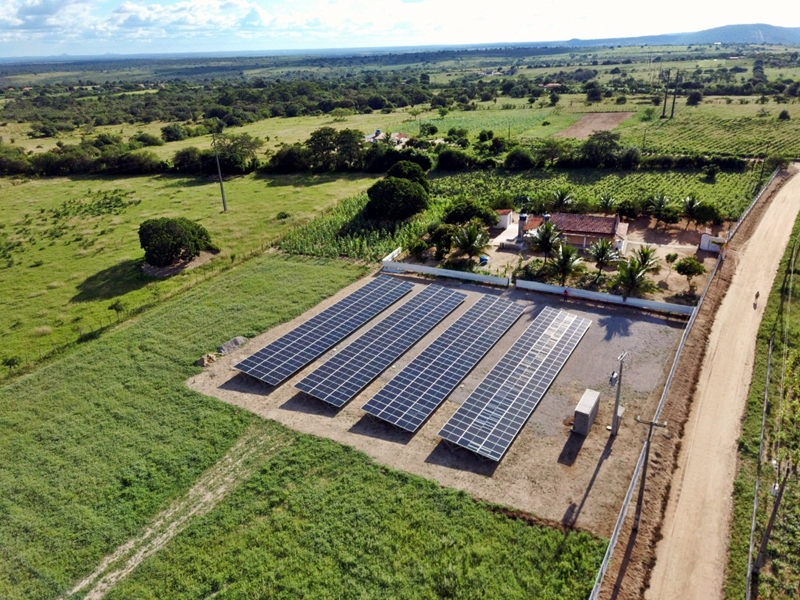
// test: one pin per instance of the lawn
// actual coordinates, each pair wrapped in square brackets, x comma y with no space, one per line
[69,248]
[780,577]
[94,444]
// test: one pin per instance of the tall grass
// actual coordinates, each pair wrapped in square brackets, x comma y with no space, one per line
[91,446]
[321,521]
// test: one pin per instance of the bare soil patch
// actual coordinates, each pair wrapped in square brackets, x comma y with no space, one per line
[692,552]
[592,122]
[177,266]
[549,472]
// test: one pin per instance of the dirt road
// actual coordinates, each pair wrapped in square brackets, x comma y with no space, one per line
[691,557]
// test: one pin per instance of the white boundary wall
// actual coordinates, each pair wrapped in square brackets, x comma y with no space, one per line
[606,298]
[412,268]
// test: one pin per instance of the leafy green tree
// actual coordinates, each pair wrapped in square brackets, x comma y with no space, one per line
[453,160]
[694,98]
[601,149]
[689,267]
[707,213]
[292,158]
[412,171]
[603,254]
[237,152]
[395,199]
[663,209]
[464,210]
[519,159]
[349,150]
[441,237]
[554,98]
[321,146]
[443,112]
[165,240]
[174,132]
[566,262]
[545,239]
[471,240]
[670,260]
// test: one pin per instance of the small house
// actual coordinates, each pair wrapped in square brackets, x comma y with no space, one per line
[505,218]
[583,230]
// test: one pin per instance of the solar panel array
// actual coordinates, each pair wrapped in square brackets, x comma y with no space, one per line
[281,359]
[496,411]
[417,391]
[351,370]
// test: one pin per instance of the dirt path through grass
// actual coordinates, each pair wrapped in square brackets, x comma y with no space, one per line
[691,557]
[255,446]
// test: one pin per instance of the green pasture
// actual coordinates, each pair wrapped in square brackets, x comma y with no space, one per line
[780,577]
[69,248]
[322,521]
[93,445]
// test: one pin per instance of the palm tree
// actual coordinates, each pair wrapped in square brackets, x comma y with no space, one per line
[603,254]
[607,203]
[646,256]
[471,240]
[690,205]
[660,206]
[544,239]
[562,198]
[566,262]
[632,278]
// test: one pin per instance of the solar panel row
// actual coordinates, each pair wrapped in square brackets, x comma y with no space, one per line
[288,354]
[348,372]
[493,415]
[417,391]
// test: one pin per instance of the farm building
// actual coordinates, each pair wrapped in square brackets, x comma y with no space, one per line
[582,230]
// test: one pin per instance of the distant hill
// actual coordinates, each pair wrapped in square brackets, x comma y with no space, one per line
[759,33]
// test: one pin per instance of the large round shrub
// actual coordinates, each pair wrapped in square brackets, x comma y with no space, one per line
[408,170]
[395,199]
[453,160]
[519,159]
[165,240]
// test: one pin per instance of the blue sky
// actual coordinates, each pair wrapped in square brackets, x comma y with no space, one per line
[48,27]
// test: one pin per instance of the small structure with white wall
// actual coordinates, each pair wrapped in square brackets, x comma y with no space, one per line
[711,243]
[586,412]
[506,218]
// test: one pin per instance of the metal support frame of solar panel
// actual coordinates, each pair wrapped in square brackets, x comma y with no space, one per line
[284,357]
[417,391]
[351,370]
[493,415]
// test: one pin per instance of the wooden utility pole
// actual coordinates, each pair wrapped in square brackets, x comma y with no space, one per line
[666,96]
[615,420]
[643,479]
[762,550]
[675,94]
[219,172]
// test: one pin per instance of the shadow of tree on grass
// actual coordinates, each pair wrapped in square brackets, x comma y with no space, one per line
[112,282]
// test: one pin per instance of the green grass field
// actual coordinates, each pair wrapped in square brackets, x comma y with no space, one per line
[78,248]
[94,444]
[780,577]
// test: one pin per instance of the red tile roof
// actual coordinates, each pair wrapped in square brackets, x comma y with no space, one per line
[503,211]
[577,224]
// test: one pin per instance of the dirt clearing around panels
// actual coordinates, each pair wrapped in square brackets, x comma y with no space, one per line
[593,122]
[559,477]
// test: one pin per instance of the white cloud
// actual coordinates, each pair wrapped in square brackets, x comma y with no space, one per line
[96,26]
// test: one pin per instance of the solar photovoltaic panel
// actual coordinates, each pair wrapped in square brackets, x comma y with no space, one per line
[417,391]
[496,411]
[348,372]
[281,359]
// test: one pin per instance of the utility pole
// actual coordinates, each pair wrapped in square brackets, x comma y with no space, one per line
[666,96]
[640,500]
[219,172]
[615,421]
[675,94]
[762,550]
[644,139]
